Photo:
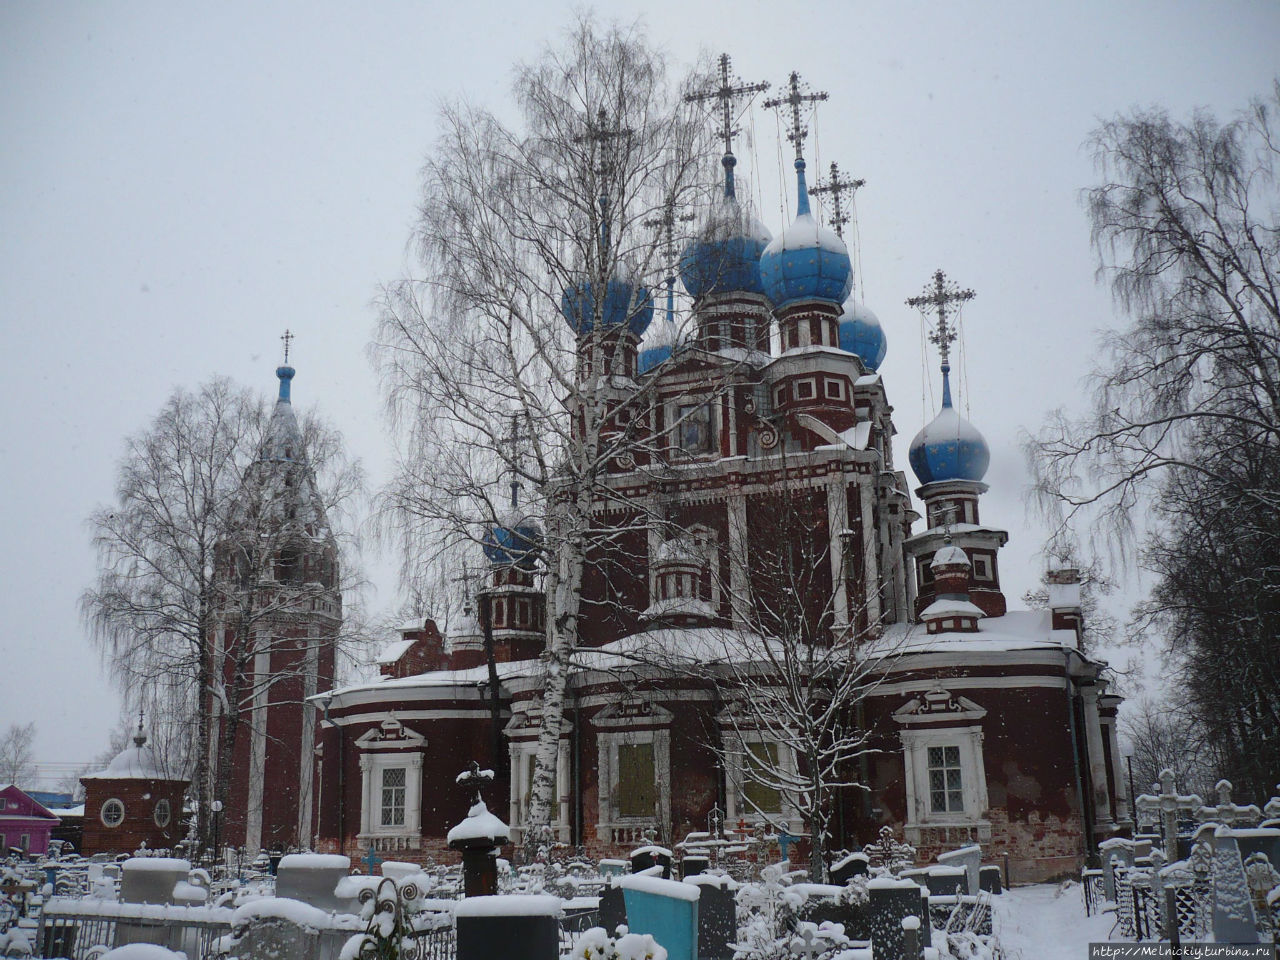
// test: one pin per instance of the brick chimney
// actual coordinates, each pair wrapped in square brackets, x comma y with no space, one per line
[1064,600]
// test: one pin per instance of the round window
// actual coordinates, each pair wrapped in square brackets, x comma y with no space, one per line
[161,814]
[112,814]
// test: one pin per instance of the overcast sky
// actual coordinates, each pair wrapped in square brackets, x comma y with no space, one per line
[179,183]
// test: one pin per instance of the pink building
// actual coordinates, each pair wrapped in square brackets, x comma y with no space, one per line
[24,824]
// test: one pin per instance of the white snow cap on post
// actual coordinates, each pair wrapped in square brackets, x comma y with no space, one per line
[479,824]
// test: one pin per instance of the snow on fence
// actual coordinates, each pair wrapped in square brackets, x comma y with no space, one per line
[74,929]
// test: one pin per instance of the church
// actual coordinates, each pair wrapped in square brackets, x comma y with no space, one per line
[758,507]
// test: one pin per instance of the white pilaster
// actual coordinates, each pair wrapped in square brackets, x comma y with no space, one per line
[257,753]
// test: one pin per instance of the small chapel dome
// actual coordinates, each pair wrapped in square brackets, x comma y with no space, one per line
[625,302]
[726,255]
[950,556]
[679,550]
[512,540]
[137,762]
[861,334]
[949,448]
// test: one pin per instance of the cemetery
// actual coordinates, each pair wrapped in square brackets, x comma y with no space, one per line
[1193,872]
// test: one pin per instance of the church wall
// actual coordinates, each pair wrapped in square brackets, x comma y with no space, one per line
[615,585]
[140,799]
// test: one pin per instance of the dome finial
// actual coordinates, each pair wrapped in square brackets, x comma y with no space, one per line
[838,186]
[727,93]
[284,371]
[139,738]
[795,101]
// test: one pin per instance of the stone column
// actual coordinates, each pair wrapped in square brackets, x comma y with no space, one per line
[837,522]
[871,566]
[739,584]
[1097,760]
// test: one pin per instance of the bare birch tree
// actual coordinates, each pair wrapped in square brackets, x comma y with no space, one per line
[519,226]
[17,759]
[187,498]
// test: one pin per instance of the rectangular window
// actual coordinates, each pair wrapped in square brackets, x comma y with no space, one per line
[805,389]
[760,762]
[982,568]
[24,842]
[780,396]
[945,793]
[393,784]
[636,795]
[695,428]
[834,389]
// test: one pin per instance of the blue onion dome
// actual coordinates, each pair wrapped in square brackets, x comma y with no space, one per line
[513,540]
[806,262]
[625,302]
[861,333]
[949,447]
[725,258]
[662,340]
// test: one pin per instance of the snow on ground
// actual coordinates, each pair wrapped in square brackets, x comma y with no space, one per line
[1046,922]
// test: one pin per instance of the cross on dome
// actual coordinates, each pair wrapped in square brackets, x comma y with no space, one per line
[726,94]
[666,224]
[837,186]
[287,338]
[795,101]
[939,298]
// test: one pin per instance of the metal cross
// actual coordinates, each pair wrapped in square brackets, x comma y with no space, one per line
[473,779]
[667,224]
[602,134]
[938,297]
[286,338]
[726,93]
[514,437]
[837,186]
[795,100]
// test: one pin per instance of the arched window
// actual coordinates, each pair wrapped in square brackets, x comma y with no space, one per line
[162,814]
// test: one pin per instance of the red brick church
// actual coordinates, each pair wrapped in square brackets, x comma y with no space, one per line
[765,432]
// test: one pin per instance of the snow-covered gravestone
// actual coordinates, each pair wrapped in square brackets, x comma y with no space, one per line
[1233,917]
[514,927]
[892,901]
[313,878]
[478,837]
[666,909]
[717,916]
[970,858]
[151,879]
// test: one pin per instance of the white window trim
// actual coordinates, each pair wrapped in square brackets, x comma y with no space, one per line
[973,779]
[607,743]
[518,812]
[738,808]
[371,767]
[162,806]
[102,813]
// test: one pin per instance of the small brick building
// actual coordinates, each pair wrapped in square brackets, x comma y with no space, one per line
[133,802]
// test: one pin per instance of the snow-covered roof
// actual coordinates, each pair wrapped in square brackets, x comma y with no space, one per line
[137,762]
[950,554]
[945,607]
[395,649]
[683,606]
[1017,630]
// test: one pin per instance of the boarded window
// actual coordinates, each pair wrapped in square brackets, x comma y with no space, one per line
[393,783]
[945,792]
[636,794]
[760,763]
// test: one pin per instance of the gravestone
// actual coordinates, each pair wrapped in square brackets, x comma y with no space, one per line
[693,864]
[479,836]
[513,927]
[946,881]
[1233,917]
[613,909]
[313,878]
[970,858]
[151,879]
[275,938]
[991,879]
[613,868]
[846,868]
[892,901]
[642,858]
[1264,840]
[666,909]
[717,917]
[1116,852]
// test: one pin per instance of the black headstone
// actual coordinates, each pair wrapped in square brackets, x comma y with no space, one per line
[944,885]
[890,905]
[613,910]
[512,938]
[646,857]
[854,865]
[990,879]
[717,922]
[692,866]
